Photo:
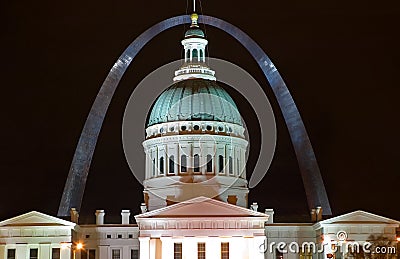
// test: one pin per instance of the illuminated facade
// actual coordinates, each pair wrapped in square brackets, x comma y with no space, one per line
[203,228]
[195,193]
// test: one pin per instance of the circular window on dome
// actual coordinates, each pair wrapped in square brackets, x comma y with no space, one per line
[209,127]
[196,127]
[220,128]
[172,129]
[230,130]
[183,128]
[161,130]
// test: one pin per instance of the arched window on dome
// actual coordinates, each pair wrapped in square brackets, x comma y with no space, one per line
[195,54]
[196,167]
[161,165]
[209,164]
[230,165]
[237,167]
[187,58]
[201,58]
[154,167]
[183,164]
[171,166]
[220,164]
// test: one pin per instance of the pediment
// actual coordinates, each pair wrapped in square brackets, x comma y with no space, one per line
[201,207]
[359,217]
[35,218]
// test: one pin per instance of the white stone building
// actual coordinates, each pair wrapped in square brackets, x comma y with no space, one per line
[195,194]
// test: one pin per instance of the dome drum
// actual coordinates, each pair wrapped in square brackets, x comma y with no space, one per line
[195,127]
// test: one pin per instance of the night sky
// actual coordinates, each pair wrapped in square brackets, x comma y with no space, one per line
[340,60]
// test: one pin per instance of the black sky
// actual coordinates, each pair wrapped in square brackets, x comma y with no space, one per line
[340,60]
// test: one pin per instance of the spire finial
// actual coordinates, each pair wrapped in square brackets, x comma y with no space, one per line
[194,17]
[194,6]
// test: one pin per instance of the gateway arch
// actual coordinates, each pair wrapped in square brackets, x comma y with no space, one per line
[79,170]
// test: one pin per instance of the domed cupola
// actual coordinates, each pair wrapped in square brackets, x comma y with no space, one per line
[194,100]
[195,143]
[194,30]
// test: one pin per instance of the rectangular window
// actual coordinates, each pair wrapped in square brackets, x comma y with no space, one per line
[225,250]
[177,250]
[154,167]
[196,163]
[183,164]
[55,253]
[134,254]
[92,254]
[10,253]
[115,254]
[87,254]
[33,253]
[201,250]
[161,166]
[171,166]
[237,167]
[209,164]
[230,166]
[220,164]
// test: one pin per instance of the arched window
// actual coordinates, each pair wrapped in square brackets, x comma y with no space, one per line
[196,163]
[201,58]
[230,165]
[220,163]
[195,54]
[183,164]
[161,165]
[154,167]
[188,54]
[237,167]
[209,163]
[171,167]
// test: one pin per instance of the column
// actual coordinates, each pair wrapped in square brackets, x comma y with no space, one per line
[152,251]
[176,160]
[2,251]
[189,165]
[44,251]
[126,252]
[257,241]
[238,248]
[167,248]
[21,251]
[103,252]
[65,252]
[147,169]
[213,248]
[189,247]
[243,161]
[144,247]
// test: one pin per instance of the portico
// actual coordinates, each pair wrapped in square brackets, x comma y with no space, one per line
[201,226]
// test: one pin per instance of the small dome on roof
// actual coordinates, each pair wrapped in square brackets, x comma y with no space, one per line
[194,32]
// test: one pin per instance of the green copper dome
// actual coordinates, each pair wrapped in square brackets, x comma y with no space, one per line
[194,100]
[194,32]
